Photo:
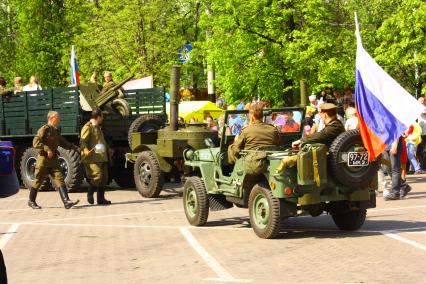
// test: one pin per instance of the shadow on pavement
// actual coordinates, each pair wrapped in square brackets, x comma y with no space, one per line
[324,227]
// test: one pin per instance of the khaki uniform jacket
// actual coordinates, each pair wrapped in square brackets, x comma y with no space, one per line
[107,86]
[254,136]
[90,136]
[49,138]
[327,135]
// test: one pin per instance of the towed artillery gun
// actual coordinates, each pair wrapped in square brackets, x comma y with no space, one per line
[90,98]
[157,155]
[276,184]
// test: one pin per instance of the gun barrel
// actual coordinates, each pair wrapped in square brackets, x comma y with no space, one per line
[111,93]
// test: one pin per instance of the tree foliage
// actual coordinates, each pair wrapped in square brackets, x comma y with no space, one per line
[257,47]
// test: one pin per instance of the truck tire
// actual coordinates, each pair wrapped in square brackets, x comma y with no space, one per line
[353,177]
[69,161]
[349,220]
[149,178]
[264,211]
[144,123]
[27,167]
[121,175]
[195,201]
[122,107]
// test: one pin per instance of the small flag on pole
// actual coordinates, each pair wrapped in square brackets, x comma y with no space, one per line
[75,77]
[385,109]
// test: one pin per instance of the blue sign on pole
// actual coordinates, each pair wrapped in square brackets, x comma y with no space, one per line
[184,52]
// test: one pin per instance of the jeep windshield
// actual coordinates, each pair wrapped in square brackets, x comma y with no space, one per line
[288,121]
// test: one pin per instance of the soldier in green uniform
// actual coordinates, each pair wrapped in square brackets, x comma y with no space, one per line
[95,164]
[109,82]
[333,127]
[3,90]
[256,135]
[47,141]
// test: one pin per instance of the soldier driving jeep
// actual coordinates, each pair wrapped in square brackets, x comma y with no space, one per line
[256,135]
[333,127]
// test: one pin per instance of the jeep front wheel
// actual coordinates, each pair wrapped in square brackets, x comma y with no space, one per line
[264,210]
[195,201]
[149,177]
[350,220]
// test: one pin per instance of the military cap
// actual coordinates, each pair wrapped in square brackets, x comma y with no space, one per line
[107,73]
[327,106]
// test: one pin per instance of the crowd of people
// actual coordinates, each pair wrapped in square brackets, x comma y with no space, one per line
[33,85]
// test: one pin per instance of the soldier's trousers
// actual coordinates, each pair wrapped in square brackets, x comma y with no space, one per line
[41,172]
[97,173]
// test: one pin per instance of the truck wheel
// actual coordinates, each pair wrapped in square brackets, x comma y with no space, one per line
[149,177]
[122,175]
[122,107]
[27,167]
[27,170]
[264,211]
[144,123]
[195,201]
[353,177]
[350,220]
[69,161]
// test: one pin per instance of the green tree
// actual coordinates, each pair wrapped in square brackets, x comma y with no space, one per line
[403,44]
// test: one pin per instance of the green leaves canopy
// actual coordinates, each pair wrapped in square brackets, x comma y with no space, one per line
[258,47]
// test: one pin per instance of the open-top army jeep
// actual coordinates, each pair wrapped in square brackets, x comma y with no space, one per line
[280,183]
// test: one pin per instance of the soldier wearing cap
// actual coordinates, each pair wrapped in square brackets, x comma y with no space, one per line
[95,164]
[109,82]
[333,127]
[256,135]
[47,141]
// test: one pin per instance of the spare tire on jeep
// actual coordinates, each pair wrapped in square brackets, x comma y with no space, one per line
[350,176]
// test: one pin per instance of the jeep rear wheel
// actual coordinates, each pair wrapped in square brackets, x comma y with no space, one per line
[195,201]
[350,220]
[264,210]
[149,178]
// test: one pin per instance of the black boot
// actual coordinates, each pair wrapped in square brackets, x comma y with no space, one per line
[101,196]
[63,192]
[32,202]
[90,193]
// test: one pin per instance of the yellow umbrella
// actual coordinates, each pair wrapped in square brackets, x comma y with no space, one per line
[196,109]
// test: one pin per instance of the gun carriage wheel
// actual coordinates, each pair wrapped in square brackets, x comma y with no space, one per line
[149,177]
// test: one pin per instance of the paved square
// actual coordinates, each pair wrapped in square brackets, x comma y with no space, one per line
[138,240]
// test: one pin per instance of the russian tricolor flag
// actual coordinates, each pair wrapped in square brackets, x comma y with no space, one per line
[75,77]
[385,109]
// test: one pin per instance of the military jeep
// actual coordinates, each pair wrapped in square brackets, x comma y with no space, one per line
[279,183]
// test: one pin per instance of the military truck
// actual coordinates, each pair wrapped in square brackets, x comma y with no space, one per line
[21,115]
[279,183]
[157,155]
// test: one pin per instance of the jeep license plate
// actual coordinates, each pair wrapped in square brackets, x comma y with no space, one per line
[357,159]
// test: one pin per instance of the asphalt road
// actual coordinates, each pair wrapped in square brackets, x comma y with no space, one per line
[139,240]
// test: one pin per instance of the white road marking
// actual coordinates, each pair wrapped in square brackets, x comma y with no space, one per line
[11,199]
[405,240]
[14,210]
[9,234]
[107,216]
[396,208]
[222,273]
